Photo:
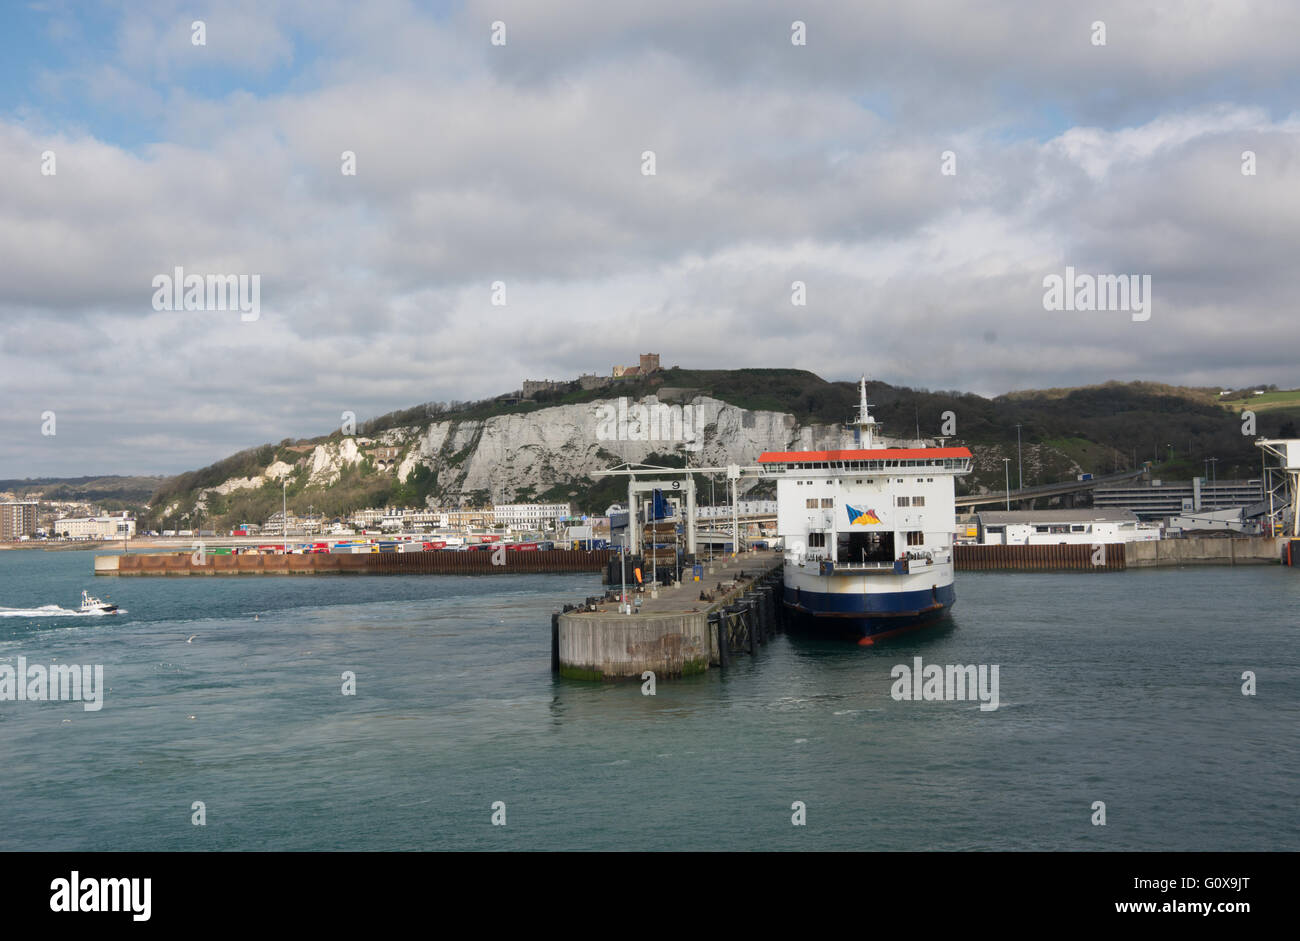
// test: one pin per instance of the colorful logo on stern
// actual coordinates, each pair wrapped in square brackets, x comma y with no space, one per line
[860,517]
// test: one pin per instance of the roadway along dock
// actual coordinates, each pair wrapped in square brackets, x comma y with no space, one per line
[371,563]
[675,634]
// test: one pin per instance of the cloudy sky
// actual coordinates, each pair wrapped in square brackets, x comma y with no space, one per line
[522,163]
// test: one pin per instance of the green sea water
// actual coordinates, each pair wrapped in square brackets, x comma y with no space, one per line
[1123,688]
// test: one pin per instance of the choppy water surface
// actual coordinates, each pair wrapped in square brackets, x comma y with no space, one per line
[1120,687]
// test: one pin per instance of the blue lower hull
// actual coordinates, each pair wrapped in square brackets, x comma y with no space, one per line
[868,615]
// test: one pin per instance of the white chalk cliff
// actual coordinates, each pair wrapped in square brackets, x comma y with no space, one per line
[499,457]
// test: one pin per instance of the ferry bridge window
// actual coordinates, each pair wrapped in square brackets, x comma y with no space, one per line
[816,540]
[918,501]
[828,503]
[854,548]
[810,503]
[901,501]
[915,538]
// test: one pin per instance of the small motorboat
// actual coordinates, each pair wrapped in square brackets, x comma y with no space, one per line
[92,605]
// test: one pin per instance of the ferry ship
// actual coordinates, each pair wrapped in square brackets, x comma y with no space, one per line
[868,531]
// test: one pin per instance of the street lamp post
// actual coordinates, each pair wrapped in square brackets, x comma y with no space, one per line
[1020,466]
[622,567]
[1006,466]
[654,539]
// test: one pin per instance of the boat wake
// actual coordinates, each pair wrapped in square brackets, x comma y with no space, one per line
[48,611]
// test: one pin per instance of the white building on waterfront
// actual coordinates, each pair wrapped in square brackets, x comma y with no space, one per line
[531,515]
[1054,527]
[95,527]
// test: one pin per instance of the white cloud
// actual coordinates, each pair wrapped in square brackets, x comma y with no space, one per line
[522,164]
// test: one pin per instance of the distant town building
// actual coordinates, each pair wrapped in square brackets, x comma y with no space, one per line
[1053,527]
[1161,499]
[649,364]
[467,517]
[531,514]
[586,382]
[368,518]
[95,527]
[298,525]
[532,386]
[17,519]
[275,525]
[384,457]
[743,508]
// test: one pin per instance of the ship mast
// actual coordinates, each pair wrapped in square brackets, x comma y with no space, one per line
[864,426]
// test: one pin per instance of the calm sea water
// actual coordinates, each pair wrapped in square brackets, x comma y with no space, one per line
[1123,688]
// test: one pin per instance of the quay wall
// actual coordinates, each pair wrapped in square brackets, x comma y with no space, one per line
[1038,558]
[374,563]
[1204,550]
[597,646]
[1193,550]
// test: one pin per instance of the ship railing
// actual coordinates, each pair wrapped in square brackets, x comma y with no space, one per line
[795,555]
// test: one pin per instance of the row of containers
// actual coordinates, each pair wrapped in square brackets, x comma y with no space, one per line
[365,547]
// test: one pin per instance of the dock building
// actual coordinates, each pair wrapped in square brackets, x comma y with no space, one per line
[1056,527]
[1161,499]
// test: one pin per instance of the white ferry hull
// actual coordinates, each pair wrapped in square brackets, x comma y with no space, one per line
[867,606]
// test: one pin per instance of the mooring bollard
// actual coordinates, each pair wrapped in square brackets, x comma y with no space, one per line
[720,627]
[555,642]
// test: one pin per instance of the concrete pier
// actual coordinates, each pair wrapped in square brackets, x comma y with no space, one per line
[672,635]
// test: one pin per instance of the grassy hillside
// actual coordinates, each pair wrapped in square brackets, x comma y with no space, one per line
[1098,429]
[112,492]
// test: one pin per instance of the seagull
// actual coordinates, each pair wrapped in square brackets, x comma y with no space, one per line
[190,639]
